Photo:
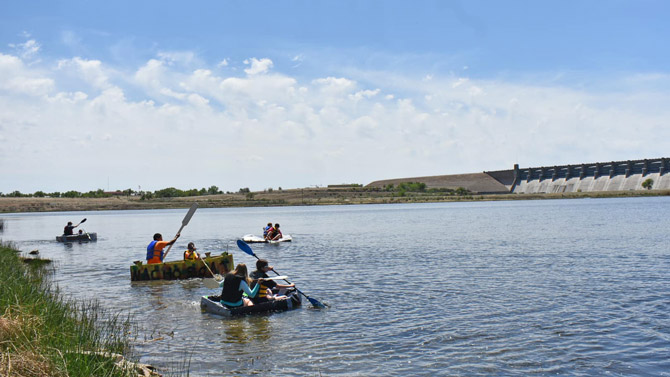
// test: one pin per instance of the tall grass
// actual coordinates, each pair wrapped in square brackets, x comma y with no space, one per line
[44,334]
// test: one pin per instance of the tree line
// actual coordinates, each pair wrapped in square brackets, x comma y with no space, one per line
[169,192]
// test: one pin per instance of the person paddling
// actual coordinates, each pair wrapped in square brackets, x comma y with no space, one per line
[155,248]
[69,228]
[190,253]
[234,284]
[267,286]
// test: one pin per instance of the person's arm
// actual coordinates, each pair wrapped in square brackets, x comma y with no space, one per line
[250,292]
[174,239]
[285,285]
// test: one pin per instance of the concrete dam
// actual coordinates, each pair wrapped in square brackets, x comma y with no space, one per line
[589,177]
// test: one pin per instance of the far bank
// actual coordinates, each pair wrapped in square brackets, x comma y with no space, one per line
[291,197]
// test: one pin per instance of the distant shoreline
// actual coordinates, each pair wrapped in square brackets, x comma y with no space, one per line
[276,198]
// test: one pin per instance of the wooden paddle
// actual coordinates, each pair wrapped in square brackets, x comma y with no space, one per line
[209,282]
[247,249]
[184,222]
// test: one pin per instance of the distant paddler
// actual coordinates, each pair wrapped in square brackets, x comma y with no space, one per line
[68,230]
[155,248]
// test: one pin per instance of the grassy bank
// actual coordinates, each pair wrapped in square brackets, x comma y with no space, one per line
[43,334]
[291,197]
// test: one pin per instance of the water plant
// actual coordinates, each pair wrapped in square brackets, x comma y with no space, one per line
[44,334]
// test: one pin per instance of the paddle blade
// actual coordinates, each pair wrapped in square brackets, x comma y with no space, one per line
[190,213]
[211,283]
[245,247]
[315,303]
[82,221]
[280,277]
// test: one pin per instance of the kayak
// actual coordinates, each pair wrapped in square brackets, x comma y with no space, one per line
[182,269]
[250,238]
[211,304]
[84,237]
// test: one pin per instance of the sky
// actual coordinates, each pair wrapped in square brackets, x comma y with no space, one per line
[267,94]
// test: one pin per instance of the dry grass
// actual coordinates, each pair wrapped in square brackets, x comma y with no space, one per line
[290,197]
[26,364]
[19,358]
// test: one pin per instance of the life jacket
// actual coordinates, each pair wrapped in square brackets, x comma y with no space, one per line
[231,288]
[266,230]
[262,291]
[192,256]
[271,232]
[154,256]
[68,230]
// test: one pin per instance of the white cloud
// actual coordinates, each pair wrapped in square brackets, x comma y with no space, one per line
[26,50]
[17,78]
[177,57]
[257,66]
[91,71]
[171,125]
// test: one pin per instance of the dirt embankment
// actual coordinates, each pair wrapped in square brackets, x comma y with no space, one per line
[292,197]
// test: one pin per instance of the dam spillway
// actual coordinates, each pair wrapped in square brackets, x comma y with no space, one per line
[593,177]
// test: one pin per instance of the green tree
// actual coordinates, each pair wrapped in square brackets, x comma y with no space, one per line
[71,194]
[39,194]
[648,183]
[244,190]
[169,192]
[213,190]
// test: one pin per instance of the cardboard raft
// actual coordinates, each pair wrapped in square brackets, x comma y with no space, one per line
[182,269]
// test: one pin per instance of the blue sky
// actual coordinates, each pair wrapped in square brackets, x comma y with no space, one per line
[288,94]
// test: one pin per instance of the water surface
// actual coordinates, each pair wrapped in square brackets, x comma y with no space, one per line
[569,287]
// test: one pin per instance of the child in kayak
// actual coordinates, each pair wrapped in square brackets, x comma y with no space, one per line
[190,253]
[267,286]
[274,234]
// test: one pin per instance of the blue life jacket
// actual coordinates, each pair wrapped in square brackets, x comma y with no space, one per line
[150,249]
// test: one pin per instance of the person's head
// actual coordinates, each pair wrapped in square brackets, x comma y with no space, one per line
[263,265]
[158,237]
[276,225]
[191,246]
[69,223]
[241,271]
[270,225]
[81,231]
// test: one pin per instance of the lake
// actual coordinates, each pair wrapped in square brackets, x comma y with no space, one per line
[569,287]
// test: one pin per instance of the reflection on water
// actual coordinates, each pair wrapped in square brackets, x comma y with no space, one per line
[568,287]
[255,328]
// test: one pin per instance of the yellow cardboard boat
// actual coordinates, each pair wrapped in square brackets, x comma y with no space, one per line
[182,269]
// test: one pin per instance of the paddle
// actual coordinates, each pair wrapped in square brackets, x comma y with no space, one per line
[209,282]
[184,222]
[247,249]
[87,235]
